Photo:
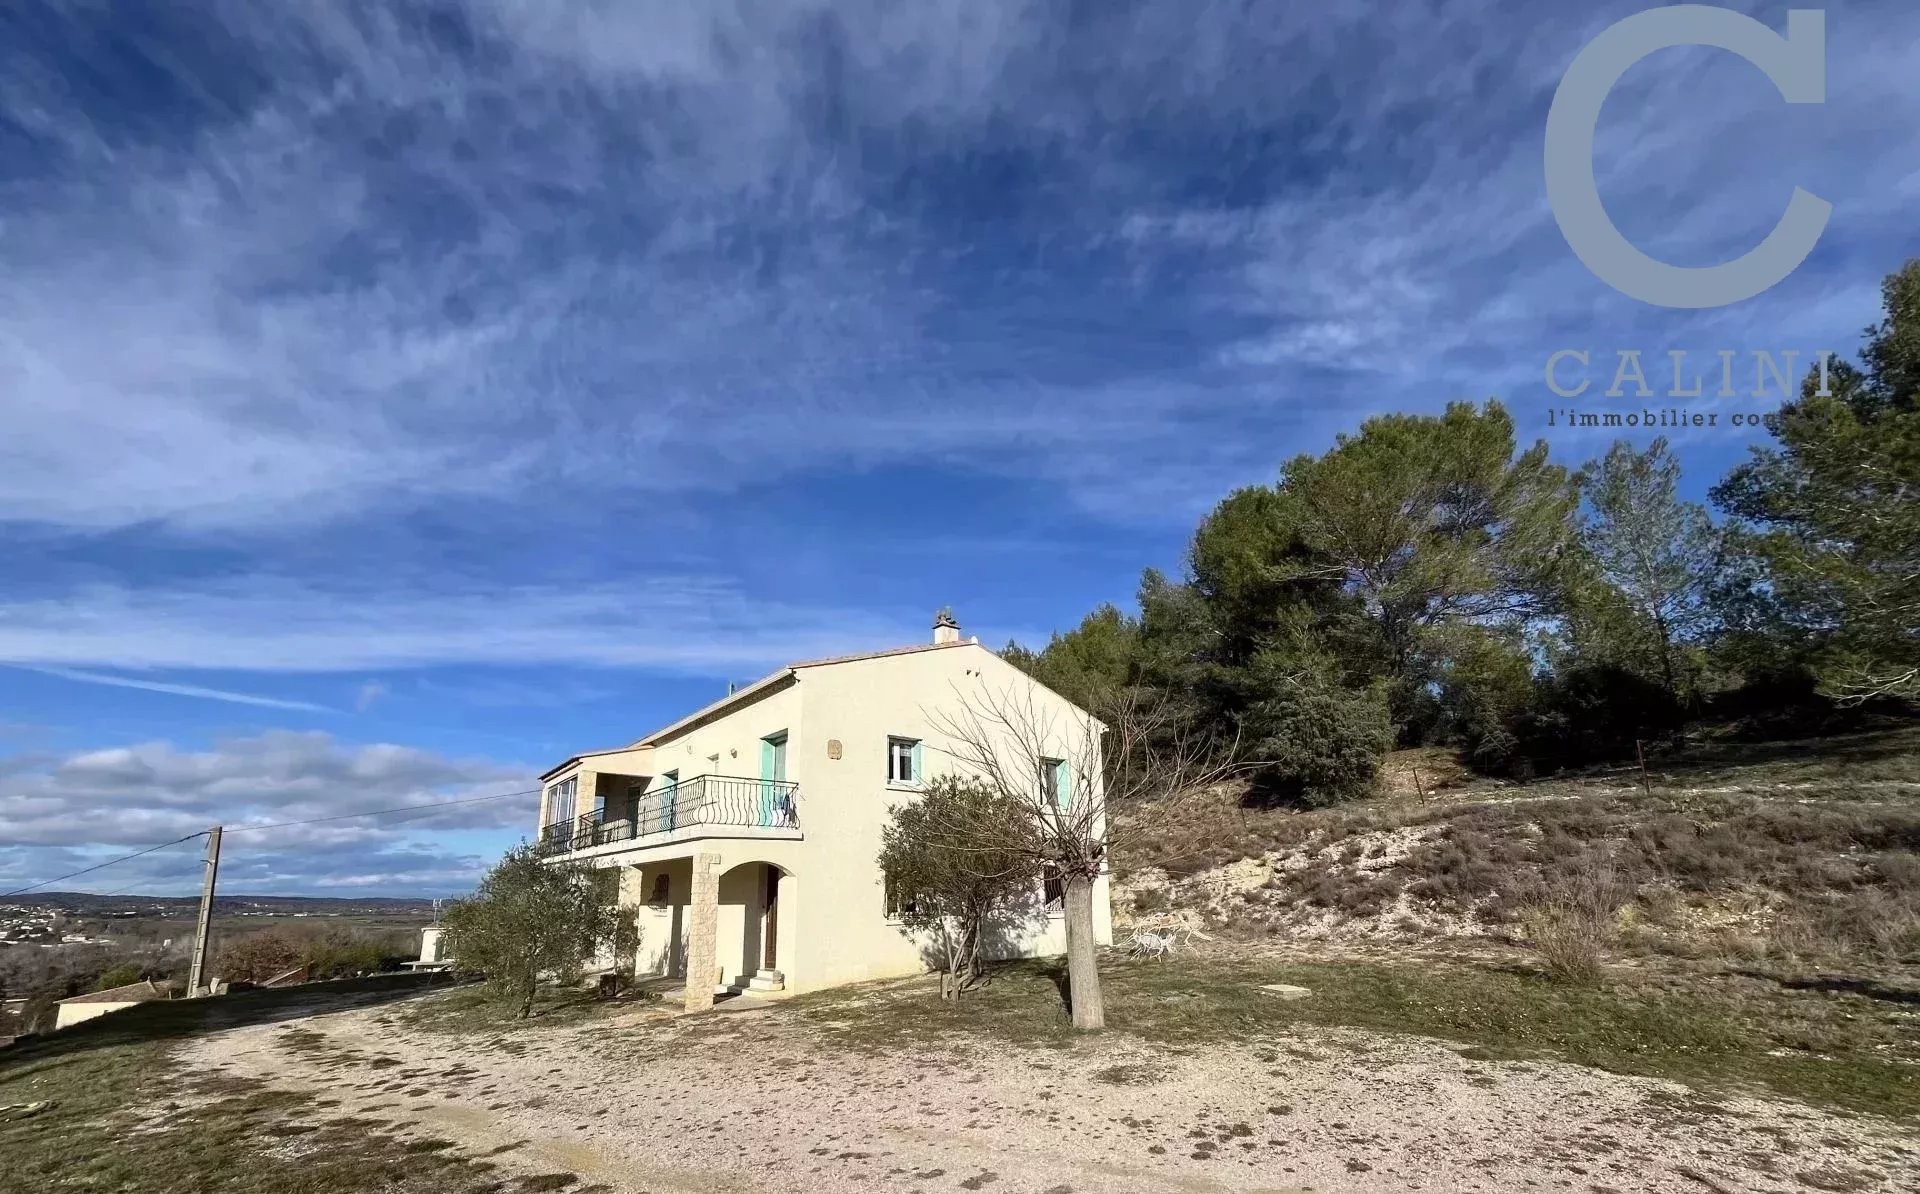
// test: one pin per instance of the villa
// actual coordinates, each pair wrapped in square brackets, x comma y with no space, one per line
[747,833]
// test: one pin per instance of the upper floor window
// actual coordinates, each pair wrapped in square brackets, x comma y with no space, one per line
[903,761]
[560,800]
[1056,783]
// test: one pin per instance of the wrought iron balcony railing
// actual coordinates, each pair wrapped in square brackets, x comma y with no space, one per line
[703,800]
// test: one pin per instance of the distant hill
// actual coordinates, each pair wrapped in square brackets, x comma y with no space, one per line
[84,904]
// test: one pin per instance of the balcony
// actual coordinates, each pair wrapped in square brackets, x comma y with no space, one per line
[685,809]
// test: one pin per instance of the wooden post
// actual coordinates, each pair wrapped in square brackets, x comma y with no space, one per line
[1417,786]
[1646,784]
[197,970]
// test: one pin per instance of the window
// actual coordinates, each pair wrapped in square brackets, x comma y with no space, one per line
[660,891]
[898,903]
[560,800]
[903,762]
[1053,888]
[1056,783]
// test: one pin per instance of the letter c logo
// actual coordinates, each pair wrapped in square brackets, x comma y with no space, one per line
[1797,66]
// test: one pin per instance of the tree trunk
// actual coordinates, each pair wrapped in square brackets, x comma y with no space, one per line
[1083,976]
[1666,655]
[966,955]
[950,975]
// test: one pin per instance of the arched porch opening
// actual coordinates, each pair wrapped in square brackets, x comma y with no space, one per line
[755,934]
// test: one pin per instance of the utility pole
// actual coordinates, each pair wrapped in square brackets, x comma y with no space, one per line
[198,969]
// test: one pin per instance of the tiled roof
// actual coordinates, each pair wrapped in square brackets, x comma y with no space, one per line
[915,649]
[787,672]
[742,695]
[138,992]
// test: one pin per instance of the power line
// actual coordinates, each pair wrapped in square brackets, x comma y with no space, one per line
[152,880]
[100,866]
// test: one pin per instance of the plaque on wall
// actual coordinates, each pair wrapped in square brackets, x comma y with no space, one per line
[833,748]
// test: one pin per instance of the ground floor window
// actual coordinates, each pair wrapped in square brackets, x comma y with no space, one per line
[898,902]
[1053,888]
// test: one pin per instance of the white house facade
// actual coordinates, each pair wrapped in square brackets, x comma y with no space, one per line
[747,833]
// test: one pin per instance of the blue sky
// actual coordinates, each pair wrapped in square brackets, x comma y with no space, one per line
[397,398]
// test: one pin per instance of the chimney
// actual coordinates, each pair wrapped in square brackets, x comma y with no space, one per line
[945,629]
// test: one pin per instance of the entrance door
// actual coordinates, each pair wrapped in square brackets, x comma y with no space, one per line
[773,775]
[771,932]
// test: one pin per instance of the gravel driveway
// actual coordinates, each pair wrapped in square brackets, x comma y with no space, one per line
[753,1100]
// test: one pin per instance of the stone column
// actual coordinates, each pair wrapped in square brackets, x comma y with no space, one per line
[703,929]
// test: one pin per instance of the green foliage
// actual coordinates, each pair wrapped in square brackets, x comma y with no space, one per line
[1434,522]
[1487,687]
[529,919]
[1087,663]
[1533,618]
[124,974]
[1590,714]
[1655,552]
[955,859]
[1828,519]
[1317,740]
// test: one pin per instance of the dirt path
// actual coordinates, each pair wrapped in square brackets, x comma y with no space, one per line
[751,1101]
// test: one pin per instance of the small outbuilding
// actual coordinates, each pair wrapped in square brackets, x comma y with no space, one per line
[98,1003]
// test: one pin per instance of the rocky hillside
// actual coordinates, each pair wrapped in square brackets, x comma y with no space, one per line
[1801,852]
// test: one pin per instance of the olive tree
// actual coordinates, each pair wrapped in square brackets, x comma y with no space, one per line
[954,858]
[531,918]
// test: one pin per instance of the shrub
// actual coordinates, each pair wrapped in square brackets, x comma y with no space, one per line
[530,918]
[1595,714]
[1572,927]
[1318,743]
[956,859]
[124,974]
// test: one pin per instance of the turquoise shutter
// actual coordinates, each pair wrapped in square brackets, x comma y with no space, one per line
[766,781]
[919,768]
[1062,785]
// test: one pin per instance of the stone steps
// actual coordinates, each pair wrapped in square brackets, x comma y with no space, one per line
[762,982]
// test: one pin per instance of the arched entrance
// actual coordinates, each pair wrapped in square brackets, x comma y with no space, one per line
[749,945]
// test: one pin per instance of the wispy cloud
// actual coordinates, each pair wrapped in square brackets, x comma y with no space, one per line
[679,623]
[186,690]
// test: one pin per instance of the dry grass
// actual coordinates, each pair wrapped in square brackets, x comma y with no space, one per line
[1800,853]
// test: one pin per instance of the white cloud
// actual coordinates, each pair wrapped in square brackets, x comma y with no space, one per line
[652,248]
[679,623]
[61,814]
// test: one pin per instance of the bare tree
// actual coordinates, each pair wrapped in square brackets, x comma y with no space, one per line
[1064,772]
